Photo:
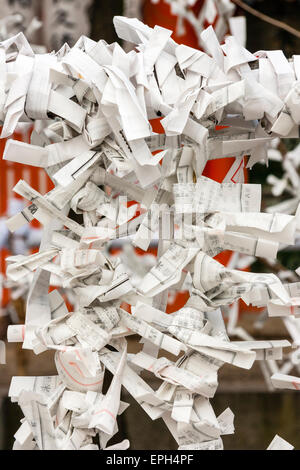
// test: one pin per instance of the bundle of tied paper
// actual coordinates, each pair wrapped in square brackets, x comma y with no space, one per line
[93,105]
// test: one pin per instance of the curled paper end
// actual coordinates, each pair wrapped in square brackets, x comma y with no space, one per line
[16,333]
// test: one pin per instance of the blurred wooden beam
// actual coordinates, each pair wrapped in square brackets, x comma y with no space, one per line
[102,14]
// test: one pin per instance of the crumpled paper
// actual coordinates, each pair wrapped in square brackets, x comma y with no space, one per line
[129,185]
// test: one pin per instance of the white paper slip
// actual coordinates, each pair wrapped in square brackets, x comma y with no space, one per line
[279,444]
[285,381]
